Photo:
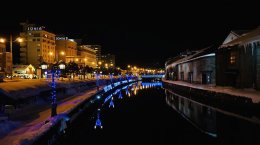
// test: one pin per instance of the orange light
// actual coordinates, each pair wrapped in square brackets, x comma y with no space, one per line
[20,40]
[62,53]
[2,40]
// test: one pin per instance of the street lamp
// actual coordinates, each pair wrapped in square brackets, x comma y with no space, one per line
[3,40]
[54,70]
[19,39]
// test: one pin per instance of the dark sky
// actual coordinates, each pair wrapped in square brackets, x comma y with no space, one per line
[144,34]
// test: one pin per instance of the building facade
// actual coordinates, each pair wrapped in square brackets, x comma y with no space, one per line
[238,61]
[97,49]
[200,70]
[193,67]
[66,49]
[24,71]
[87,56]
[5,60]
[108,59]
[38,45]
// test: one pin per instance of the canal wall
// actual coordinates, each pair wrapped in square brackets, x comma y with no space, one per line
[50,136]
[232,103]
[29,93]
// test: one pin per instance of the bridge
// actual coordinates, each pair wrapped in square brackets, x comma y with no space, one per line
[156,76]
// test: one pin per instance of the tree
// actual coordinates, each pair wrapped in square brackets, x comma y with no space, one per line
[72,68]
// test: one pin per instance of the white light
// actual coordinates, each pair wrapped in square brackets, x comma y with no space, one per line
[44,66]
[2,40]
[62,66]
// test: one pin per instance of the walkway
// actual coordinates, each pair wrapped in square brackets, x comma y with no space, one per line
[249,93]
[33,122]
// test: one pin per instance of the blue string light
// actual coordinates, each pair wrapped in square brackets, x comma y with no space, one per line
[98,123]
[111,104]
[120,96]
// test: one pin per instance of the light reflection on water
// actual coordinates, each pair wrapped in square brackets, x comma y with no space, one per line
[201,116]
[129,90]
[213,121]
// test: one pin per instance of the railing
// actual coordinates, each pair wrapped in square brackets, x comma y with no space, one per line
[152,76]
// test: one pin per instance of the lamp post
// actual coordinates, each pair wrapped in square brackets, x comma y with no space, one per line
[3,40]
[54,70]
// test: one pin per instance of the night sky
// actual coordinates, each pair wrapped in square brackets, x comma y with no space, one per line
[141,34]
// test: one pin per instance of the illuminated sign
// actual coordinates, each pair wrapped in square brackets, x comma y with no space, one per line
[61,38]
[35,28]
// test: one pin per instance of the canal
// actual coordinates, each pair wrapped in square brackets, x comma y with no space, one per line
[145,113]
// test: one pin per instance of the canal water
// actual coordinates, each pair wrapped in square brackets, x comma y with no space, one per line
[145,113]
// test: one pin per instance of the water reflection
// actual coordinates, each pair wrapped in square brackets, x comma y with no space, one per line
[98,123]
[202,117]
[227,127]
[111,104]
[120,95]
[129,90]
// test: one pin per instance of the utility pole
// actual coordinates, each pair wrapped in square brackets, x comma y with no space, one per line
[11,52]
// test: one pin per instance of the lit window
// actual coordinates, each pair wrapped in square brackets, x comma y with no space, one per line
[233,57]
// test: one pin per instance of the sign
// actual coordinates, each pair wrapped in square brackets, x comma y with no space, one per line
[61,38]
[35,28]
